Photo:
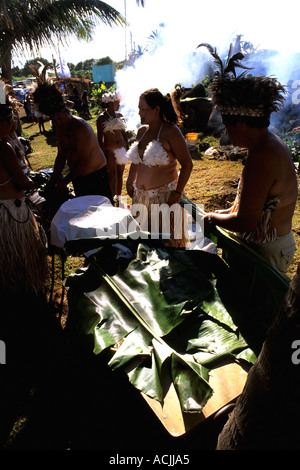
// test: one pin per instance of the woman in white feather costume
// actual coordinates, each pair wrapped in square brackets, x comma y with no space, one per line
[113,140]
[153,178]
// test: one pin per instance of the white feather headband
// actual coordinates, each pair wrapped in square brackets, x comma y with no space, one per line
[110,97]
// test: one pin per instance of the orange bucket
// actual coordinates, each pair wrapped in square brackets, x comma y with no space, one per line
[191,140]
[192,136]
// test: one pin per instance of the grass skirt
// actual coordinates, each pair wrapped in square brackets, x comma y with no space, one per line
[154,215]
[23,255]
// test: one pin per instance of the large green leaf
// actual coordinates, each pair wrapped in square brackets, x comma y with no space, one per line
[136,345]
[163,295]
[215,343]
[188,377]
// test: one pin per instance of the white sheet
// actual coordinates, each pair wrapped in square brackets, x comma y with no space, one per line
[89,216]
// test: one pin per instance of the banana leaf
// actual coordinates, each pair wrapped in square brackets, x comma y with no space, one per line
[176,313]
[158,310]
[251,285]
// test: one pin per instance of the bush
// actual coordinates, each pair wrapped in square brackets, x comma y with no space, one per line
[98,91]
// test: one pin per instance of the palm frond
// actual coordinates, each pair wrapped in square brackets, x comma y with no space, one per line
[231,63]
[37,23]
[217,59]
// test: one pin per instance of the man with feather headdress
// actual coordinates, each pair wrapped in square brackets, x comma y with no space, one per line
[267,193]
[113,140]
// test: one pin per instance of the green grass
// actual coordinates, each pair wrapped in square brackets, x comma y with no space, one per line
[212,182]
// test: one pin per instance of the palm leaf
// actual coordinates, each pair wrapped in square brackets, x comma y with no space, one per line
[37,23]
[217,59]
[231,62]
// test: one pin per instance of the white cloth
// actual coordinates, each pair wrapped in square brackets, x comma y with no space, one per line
[87,217]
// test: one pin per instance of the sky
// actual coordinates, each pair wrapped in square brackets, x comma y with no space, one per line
[192,21]
[186,24]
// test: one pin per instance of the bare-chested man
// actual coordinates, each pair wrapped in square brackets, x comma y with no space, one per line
[113,140]
[78,147]
[264,207]
[23,260]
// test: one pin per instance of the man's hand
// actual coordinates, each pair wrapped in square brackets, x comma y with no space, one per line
[61,186]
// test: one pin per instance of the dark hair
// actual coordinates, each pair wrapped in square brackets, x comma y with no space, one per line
[155,98]
[5,112]
[256,122]
[49,99]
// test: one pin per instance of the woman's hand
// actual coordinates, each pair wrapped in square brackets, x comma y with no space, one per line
[174,198]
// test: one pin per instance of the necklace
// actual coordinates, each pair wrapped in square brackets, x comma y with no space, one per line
[111,117]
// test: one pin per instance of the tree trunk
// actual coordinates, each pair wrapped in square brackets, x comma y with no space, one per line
[267,414]
[5,61]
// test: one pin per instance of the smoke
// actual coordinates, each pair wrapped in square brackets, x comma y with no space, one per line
[171,62]
[159,70]
[176,59]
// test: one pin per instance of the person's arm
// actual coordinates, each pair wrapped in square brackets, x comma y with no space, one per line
[125,139]
[100,134]
[131,178]
[133,171]
[13,166]
[180,151]
[59,165]
[124,133]
[257,180]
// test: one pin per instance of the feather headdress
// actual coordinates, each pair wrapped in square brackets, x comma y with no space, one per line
[110,97]
[247,95]
[49,99]
[41,72]
[243,95]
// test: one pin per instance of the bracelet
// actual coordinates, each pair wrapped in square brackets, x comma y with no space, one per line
[210,220]
[175,191]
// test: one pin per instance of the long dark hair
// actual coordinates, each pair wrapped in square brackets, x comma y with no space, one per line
[155,98]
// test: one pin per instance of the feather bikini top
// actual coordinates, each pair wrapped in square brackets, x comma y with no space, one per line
[114,124]
[154,154]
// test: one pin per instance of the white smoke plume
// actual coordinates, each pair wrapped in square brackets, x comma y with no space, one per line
[177,59]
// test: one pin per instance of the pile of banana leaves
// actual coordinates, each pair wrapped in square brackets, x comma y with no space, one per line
[175,312]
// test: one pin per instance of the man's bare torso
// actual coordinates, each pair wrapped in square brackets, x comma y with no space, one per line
[78,142]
